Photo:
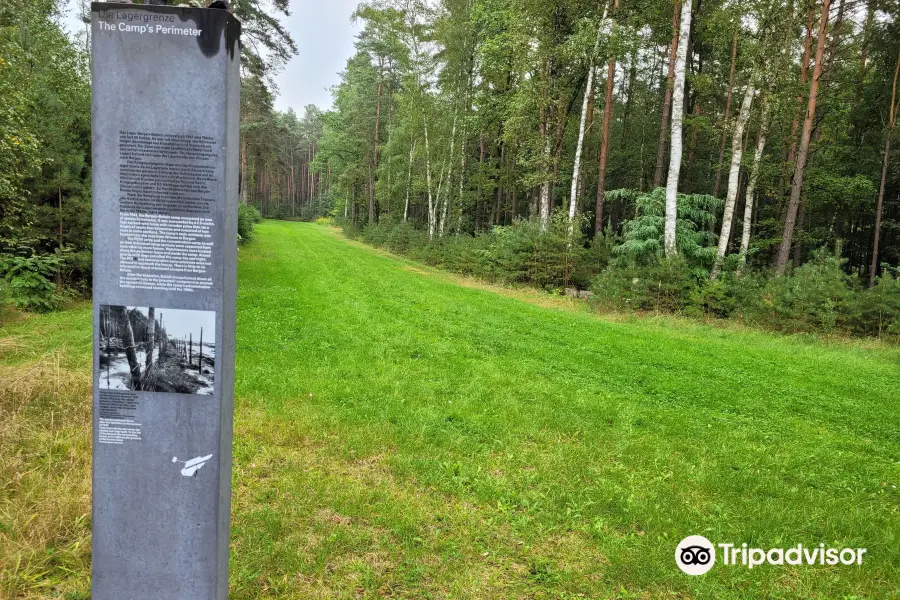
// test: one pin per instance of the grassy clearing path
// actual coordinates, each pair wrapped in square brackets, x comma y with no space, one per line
[400,435]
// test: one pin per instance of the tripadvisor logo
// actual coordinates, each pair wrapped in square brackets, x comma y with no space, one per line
[695,555]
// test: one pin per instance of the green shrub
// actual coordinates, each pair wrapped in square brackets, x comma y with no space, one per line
[713,298]
[812,298]
[316,208]
[522,253]
[664,286]
[5,302]
[404,236]
[876,310]
[642,240]
[28,281]
[376,233]
[248,216]
[282,211]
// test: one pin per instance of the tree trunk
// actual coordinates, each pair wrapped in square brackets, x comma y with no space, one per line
[371,189]
[873,270]
[804,76]
[582,180]
[481,152]
[374,151]
[544,203]
[751,182]
[243,170]
[497,211]
[576,168]
[677,117]
[545,190]
[561,115]
[428,179]
[734,45]
[462,176]
[604,143]
[292,192]
[803,151]
[588,90]
[450,158]
[412,149]
[127,332]
[151,339]
[667,99]
[733,173]
[864,50]
[632,75]
[59,241]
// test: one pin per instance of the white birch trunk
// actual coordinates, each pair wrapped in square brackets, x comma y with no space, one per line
[462,176]
[737,145]
[449,179]
[428,179]
[751,184]
[576,169]
[412,150]
[545,188]
[676,142]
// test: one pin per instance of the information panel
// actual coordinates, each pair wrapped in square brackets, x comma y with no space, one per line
[166,88]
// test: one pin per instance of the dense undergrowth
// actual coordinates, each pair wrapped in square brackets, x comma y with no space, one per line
[625,272]
[33,283]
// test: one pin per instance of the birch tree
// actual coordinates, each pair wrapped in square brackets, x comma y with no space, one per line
[737,144]
[751,182]
[412,150]
[669,242]
[431,207]
[588,89]
[670,86]
[545,185]
[734,46]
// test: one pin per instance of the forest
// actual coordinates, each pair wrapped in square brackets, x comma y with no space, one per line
[404,431]
[716,157]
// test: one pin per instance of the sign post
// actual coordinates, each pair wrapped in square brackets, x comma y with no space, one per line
[166,100]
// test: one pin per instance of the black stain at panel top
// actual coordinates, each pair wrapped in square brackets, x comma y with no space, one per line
[210,21]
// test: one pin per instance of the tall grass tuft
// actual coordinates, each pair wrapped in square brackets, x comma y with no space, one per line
[44,475]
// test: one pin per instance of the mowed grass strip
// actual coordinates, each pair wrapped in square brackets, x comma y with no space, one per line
[500,449]
[398,435]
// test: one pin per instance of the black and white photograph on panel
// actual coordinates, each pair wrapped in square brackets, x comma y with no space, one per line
[151,349]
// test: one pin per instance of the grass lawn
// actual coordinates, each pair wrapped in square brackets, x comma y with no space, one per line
[398,434]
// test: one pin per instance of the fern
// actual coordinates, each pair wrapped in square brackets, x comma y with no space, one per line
[643,235]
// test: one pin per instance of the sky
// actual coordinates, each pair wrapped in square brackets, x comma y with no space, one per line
[324,36]
[181,323]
